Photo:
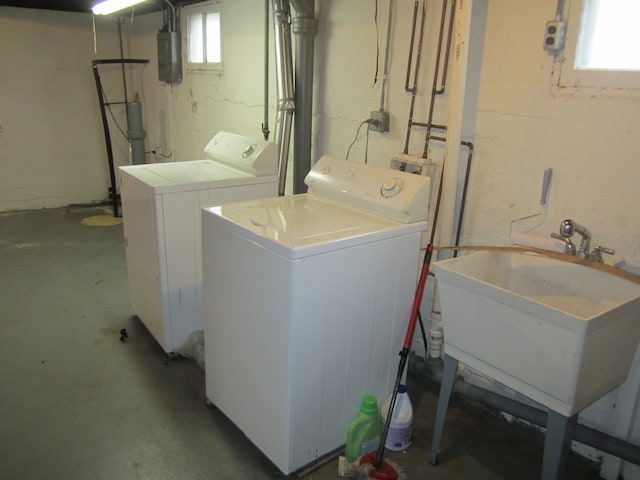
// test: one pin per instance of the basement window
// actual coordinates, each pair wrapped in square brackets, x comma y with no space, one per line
[203,37]
[609,35]
[601,45]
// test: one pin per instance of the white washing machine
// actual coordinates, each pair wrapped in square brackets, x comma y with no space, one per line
[306,302]
[161,207]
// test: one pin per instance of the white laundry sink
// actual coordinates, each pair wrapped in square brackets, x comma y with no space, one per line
[561,333]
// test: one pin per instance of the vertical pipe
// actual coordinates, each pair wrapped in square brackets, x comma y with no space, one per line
[135,132]
[286,103]
[265,123]
[455,118]
[436,74]
[305,27]
[416,71]
[447,50]
[385,72]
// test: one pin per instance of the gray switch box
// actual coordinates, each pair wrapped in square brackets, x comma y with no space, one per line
[169,57]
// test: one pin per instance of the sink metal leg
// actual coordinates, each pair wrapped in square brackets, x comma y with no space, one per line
[557,445]
[446,387]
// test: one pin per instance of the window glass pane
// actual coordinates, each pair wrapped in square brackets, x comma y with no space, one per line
[196,39]
[213,37]
[609,35]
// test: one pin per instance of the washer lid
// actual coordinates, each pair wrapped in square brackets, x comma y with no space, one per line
[190,175]
[298,226]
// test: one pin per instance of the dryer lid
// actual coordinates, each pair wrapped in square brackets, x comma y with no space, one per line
[191,175]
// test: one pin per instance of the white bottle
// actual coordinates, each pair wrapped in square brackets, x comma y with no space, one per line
[399,435]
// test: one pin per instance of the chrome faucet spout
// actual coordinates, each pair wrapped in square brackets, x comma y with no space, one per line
[569,227]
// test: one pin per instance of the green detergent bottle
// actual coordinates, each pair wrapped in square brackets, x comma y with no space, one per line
[363,435]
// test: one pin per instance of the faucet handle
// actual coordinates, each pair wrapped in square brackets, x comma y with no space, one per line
[569,246]
[598,250]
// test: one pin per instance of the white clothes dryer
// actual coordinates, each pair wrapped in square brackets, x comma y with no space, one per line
[161,208]
[306,301]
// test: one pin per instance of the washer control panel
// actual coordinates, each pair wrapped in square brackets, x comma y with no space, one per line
[391,193]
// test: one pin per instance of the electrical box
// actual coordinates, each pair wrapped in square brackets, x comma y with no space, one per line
[554,35]
[381,121]
[169,57]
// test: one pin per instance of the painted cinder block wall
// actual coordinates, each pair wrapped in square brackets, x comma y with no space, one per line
[52,148]
[518,119]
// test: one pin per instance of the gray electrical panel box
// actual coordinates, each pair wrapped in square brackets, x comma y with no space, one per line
[169,57]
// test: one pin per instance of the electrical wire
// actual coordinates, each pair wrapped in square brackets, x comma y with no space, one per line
[355,139]
[375,21]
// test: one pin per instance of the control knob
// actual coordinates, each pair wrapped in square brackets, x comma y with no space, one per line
[391,187]
[248,151]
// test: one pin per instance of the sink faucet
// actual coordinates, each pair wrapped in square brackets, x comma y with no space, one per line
[568,228]
[569,246]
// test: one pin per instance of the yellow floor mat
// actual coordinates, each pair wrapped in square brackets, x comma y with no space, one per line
[101,221]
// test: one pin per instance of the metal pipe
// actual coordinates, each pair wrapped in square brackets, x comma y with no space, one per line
[415,77]
[560,10]
[385,71]
[286,103]
[305,27]
[265,123]
[445,67]
[432,370]
[463,199]
[436,74]
[411,44]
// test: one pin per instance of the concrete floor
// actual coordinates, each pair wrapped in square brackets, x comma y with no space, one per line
[77,403]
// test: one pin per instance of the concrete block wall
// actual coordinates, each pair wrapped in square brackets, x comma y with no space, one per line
[52,149]
[518,113]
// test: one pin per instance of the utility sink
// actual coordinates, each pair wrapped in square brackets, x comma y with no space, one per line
[561,333]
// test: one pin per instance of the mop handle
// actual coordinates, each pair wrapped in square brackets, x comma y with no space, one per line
[418,298]
[405,352]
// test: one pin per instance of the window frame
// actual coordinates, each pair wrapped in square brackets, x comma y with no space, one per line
[570,77]
[202,9]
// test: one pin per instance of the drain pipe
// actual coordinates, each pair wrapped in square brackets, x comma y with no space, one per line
[432,370]
[305,27]
[265,123]
[286,103]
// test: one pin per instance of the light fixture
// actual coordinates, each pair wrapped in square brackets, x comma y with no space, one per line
[109,6]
